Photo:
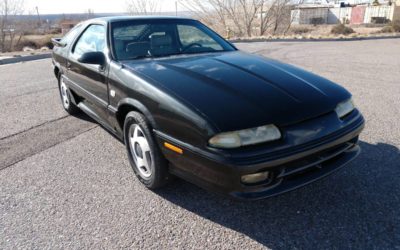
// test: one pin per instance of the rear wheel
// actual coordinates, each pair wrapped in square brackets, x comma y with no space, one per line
[65,95]
[145,157]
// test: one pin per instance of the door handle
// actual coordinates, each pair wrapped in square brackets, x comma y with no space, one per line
[68,65]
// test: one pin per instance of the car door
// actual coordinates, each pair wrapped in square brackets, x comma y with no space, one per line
[90,80]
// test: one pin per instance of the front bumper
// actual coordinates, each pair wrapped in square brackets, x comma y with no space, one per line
[290,168]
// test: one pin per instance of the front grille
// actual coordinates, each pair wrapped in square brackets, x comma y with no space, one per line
[297,173]
[312,163]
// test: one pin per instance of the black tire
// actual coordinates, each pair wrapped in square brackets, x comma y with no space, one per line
[65,96]
[158,166]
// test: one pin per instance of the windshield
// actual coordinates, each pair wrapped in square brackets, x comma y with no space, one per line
[157,38]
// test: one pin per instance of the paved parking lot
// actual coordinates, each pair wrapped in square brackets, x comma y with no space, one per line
[66,183]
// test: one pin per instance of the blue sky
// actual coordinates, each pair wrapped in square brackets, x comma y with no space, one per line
[81,6]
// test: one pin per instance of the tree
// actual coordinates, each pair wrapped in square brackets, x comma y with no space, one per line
[244,16]
[250,9]
[266,15]
[9,9]
[241,14]
[211,12]
[143,7]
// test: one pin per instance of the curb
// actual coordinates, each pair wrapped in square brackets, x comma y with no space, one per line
[345,39]
[24,58]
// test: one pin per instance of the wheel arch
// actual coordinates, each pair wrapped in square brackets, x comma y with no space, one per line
[57,70]
[129,104]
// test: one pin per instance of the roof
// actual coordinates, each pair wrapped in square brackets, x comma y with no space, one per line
[126,18]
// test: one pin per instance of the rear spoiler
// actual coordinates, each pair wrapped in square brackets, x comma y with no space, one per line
[57,42]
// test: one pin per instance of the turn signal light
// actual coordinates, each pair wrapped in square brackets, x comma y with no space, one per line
[173,148]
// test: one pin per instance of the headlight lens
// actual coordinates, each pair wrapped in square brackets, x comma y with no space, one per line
[344,108]
[246,137]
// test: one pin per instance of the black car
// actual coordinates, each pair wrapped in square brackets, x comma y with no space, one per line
[187,103]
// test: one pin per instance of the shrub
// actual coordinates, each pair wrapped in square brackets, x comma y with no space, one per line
[34,43]
[25,43]
[44,42]
[386,29]
[300,30]
[56,31]
[342,29]
[396,26]
[392,27]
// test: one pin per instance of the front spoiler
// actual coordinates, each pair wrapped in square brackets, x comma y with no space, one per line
[222,175]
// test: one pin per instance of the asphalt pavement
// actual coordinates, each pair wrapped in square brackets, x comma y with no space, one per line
[66,183]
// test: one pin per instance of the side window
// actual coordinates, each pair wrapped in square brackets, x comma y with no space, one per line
[189,34]
[93,39]
[70,36]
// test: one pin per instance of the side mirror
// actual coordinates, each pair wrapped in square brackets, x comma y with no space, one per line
[97,58]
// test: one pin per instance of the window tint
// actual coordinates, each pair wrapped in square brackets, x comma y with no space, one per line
[190,35]
[92,40]
[128,32]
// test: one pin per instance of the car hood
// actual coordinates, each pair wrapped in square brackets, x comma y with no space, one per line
[236,90]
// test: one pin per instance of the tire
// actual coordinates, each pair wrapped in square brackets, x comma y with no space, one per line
[65,96]
[145,157]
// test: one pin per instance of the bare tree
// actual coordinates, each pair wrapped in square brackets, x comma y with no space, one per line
[211,12]
[249,9]
[244,16]
[266,16]
[9,9]
[239,14]
[281,15]
[143,7]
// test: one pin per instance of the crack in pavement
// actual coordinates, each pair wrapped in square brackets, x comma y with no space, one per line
[20,146]
[39,125]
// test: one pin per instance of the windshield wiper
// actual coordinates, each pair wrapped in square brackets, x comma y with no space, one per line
[139,57]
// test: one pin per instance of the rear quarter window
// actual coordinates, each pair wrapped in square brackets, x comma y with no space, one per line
[72,34]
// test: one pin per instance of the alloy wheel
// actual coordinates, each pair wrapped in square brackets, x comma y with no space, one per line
[140,151]
[64,94]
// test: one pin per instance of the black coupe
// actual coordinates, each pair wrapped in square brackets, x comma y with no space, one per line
[187,103]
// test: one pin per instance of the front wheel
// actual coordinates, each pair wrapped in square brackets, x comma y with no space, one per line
[145,157]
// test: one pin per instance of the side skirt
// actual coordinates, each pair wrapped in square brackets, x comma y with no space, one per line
[95,117]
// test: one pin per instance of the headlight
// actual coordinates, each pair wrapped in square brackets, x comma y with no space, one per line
[246,137]
[344,108]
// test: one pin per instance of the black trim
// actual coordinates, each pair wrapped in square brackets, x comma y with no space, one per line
[274,158]
[287,185]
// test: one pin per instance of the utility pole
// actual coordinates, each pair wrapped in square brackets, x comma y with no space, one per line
[176,8]
[37,11]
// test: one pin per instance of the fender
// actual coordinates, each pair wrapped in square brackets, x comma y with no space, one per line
[58,66]
[138,106]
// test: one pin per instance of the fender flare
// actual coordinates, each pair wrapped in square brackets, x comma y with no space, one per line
[135,104]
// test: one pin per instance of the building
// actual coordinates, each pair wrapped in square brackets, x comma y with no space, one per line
[67,25]
[345,13]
